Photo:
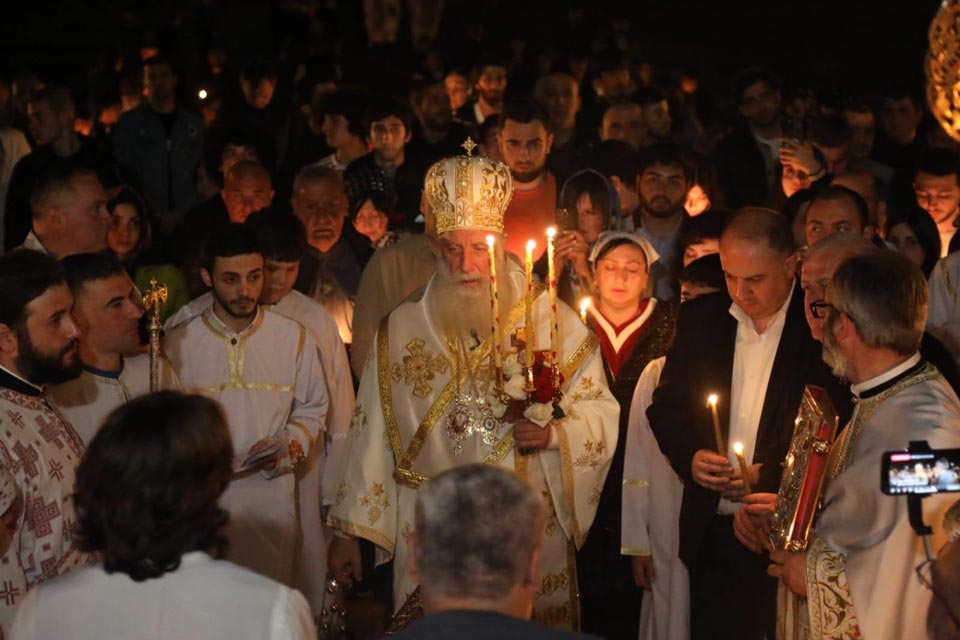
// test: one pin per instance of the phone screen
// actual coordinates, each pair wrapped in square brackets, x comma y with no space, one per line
[935,471]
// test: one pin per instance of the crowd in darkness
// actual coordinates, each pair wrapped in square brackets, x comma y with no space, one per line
[187,139]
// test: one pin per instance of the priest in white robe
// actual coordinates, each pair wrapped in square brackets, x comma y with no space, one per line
[281,240]
[107,308]
[265,370]
[943,317]
[857,577]
[428,402]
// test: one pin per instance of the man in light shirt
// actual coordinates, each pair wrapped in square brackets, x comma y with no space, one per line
[752,348]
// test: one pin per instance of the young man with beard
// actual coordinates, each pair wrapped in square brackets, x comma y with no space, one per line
[283,243]
[265,370]
[38,447]
[751,347]
[490,85]
[857,578]
[425,390]
[437,135]
[662,184]
[107,308]
[525,141]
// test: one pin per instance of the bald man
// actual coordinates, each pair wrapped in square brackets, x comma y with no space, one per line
[247,188]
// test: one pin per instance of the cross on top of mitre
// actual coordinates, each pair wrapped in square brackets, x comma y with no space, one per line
[469,145]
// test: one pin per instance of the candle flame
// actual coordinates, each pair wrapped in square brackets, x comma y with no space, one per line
[585,304]
[490,241]
[738,448]
[531,245]
[712,399]
[551,232]
[202,94]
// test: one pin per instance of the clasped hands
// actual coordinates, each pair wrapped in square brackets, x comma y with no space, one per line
[714,472]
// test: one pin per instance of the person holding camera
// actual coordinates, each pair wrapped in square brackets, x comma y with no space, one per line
[857,577]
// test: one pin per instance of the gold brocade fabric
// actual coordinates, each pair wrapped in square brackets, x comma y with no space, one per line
[832,615]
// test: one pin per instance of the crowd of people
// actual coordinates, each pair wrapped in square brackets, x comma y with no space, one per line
[370,374]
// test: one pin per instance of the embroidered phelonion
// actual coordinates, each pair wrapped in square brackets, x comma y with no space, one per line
[496,351]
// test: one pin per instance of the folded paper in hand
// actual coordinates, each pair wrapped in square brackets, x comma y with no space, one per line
[247,460]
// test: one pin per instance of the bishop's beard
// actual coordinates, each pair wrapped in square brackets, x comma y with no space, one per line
[466,312]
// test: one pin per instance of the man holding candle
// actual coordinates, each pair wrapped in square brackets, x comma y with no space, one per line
[429,393]
[751,348]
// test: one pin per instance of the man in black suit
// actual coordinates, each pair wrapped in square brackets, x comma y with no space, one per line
[475,550]
[753,349]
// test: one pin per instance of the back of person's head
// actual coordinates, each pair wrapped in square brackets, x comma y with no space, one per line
[226,241]
[81,268]
[523,111]
[382,107]
[759,225]
[885,296]
[477,528]
[754,75]
[281,235]
[836,192]
[55,188]
[706,226]
[937,161]
[830,130]
[705,272]
[348,103]
[666,155]
[24,276]
[148,487]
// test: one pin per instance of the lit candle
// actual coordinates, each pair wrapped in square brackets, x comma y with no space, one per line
[496,354]
[528,336]
[712,403]
[554,322]
[738,451]
[584,305]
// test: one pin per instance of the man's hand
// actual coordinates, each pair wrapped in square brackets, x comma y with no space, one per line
[344,561]
[711,470]
[791,568]
[760,507]
[735,490]
[528,435]
[643,573]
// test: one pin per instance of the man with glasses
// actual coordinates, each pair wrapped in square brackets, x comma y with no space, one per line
[330,272]
[857,577]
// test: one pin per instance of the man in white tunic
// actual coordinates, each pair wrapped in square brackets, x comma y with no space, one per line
[282,242]
[427,402]
[943,317]
[38,345]
[858,574]
[265,370]
[107,308]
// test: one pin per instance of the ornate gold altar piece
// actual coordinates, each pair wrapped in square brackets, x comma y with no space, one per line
[153,297]
[804,469]
[942,67]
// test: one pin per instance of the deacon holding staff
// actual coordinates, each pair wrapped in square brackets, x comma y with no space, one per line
[751,347]
[428,399]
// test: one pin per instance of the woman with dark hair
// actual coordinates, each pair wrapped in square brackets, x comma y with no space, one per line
[913,233]
[370,213]
[129,240]
[633,330]
[147,495]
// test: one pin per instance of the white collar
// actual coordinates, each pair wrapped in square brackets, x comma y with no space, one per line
[21,378]
[778,318]
[886,376]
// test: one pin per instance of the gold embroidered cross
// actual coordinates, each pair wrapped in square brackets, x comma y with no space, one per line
[418,367]
[469,145]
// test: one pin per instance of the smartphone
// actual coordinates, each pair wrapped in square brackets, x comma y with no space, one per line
[920,472]
[567,220]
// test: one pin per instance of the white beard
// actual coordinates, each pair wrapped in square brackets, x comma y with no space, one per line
[833,356]
[465,312]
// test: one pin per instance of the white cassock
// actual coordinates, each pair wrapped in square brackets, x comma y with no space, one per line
[861,566]
[401,438]
[89,399]
[41,451]
[269,380]
[319,476]
[652,494]
[943,307]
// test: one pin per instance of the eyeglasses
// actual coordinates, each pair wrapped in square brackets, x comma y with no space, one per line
[820,309]
[925,575]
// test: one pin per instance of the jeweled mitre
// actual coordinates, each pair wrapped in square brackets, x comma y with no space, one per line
[469,192]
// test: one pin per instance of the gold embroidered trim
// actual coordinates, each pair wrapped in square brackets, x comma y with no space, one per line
[413,479]
[410,478]
[631,482]
[236,355]
[574,588]
[360,531]
[567,472]
[830,605]
[636,551]
[386,391]
[418,367]
[579,356]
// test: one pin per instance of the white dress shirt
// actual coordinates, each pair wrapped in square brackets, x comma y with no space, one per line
[203,598]
[752,364]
